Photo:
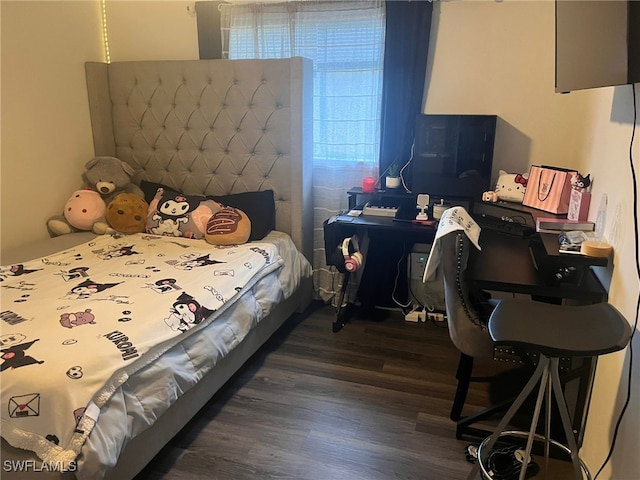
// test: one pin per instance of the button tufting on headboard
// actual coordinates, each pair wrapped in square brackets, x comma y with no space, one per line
[212,127]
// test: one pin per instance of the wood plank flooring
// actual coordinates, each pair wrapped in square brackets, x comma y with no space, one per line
[369,402]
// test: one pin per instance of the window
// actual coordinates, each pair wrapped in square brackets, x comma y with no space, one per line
[345,40]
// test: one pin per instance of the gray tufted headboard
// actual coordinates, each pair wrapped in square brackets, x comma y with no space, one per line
[214,127]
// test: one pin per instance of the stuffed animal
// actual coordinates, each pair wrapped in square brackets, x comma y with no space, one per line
[229,226]
[580,183]
[490,196]
[174,214]
[83,211]
[110,176]
[510,187]
[127,213]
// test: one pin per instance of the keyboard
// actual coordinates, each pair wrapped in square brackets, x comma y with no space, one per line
[504,225]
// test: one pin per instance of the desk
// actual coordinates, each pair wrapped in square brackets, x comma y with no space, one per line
[531,266]
[387,241]
[526,266]
[505,264]
[486,270]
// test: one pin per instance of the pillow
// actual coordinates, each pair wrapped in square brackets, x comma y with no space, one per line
[511,186]
[229,226]
[259,206]
[177,215]
[151,188]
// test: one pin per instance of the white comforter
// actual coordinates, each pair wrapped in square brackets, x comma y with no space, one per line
[94,342]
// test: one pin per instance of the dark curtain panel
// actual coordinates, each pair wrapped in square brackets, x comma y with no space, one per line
[208,23]
[408,24]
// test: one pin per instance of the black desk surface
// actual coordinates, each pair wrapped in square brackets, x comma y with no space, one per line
[505,263]
[387,224]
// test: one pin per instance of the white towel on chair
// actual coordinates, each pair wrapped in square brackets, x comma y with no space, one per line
[454,218]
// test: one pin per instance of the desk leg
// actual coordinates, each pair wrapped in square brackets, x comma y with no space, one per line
[341,312]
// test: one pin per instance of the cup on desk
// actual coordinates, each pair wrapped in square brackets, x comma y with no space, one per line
[368,185]
[438,210]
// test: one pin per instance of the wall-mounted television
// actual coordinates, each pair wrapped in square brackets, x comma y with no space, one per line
[597,43]
[453,155]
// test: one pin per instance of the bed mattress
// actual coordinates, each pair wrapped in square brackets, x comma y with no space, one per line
[132,397]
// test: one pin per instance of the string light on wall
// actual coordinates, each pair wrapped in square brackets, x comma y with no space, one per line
[105,35]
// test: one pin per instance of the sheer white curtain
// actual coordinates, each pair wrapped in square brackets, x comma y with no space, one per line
[345,40]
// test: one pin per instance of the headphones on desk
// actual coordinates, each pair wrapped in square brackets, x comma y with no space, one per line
[352,261]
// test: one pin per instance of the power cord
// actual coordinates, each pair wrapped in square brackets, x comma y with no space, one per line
[404,167]
[635,323]
[395,282]
[505,463]
[411,292]
[404,184]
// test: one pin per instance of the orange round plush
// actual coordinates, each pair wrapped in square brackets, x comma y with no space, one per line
[127,213]
[229,226]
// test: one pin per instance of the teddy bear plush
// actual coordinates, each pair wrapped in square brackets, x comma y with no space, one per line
[108,176]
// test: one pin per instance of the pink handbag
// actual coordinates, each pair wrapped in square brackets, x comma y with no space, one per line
[548,189]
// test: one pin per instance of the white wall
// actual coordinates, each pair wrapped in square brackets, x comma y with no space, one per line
[152,30]
[498,58]
[46,133]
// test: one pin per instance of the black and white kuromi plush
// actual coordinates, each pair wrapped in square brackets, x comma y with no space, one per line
[581,183]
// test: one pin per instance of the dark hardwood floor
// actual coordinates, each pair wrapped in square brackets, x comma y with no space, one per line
[368,402]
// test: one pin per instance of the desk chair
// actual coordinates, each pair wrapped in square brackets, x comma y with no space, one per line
[467,319]
[554,331]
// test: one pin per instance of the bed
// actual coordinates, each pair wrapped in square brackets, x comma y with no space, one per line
[236,131]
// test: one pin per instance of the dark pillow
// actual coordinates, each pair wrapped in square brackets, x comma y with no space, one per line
[258,206]
[150,188]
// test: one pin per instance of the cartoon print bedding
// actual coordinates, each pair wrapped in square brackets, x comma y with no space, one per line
[74,326]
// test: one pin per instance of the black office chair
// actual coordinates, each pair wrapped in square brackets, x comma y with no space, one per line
[467,316]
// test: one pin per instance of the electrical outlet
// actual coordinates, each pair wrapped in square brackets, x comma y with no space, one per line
[435,317]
